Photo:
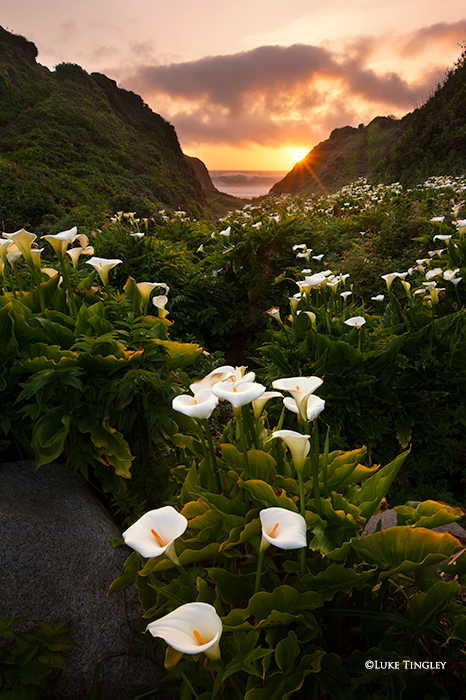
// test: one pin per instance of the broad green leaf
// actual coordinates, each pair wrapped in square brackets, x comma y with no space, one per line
[403,548]
[128,574]
[49,435]
[427,514]
[286,652]
[268,496]
[282,606]
[341,466]
[233,589]
[179,354]
[336,578]
[373,490]
[426,607]
[113,450]
[459,630]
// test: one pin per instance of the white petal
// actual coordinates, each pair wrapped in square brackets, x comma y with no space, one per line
[166,521]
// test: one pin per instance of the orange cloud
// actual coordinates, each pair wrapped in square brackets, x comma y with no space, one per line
[288,94]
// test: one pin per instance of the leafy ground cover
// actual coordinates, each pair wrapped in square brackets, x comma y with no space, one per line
[363,290]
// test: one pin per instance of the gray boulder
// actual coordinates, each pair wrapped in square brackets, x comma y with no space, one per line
[56,564]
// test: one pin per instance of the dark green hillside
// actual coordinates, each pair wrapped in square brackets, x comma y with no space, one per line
[427,142]
[434,141]
[349,153]
[75,143]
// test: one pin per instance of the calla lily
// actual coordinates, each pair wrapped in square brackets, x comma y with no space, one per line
[300,388]
[461,225]
[392,276]
[155,532]
[24,241]
[297,443]
[436,272]
[449,275]
[442,237]
[345,294]
[35,257]
[240,376]
[355,322]
[103,266]
[145,289]
[238,394]
[379,297]
[217,375]
[315,406]
[49,271]
[190,629]
[200,405]
[258,404]
[60,241]
[74,254]
[282,528]
[160,302]
[274,312]
[13,254]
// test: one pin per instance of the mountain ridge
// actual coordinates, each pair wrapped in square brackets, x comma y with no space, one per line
[75,147]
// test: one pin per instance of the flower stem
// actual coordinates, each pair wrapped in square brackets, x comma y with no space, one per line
[325,461]
[213,463]
[260,560]
[242,437]
[315,467]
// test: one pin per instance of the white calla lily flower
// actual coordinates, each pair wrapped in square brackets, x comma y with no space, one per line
[282,528]
[200,405]
[23,240]
[160,302]
[315,406]
[103,266]
[300,389]
[60,241]
[190,629]
[155,532]
[258,404]
[238,393]
[297,443]
[217,375]
[355,321]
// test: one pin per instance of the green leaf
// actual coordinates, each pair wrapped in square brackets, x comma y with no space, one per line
[429,514]
[113,450]
[49,435]
[373,490]
[128,574]
[268,496]
[233,589]
[179,354]
[426,607]
[403,548]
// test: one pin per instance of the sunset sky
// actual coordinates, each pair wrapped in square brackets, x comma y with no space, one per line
[254,84]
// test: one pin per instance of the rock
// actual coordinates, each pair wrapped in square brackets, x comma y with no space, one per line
[56,564]
[201,172]
[388,518]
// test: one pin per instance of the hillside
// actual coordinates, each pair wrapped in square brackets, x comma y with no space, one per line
[428,142]
[73,146]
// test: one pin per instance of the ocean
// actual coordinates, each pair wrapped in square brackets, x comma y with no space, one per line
[245,183]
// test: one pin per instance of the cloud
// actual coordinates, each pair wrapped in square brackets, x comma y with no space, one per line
[442,32]
[274,95]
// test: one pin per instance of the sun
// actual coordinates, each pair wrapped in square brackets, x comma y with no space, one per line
[299,153]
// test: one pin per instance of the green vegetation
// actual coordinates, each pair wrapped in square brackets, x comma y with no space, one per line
[357,296]
[74,146]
